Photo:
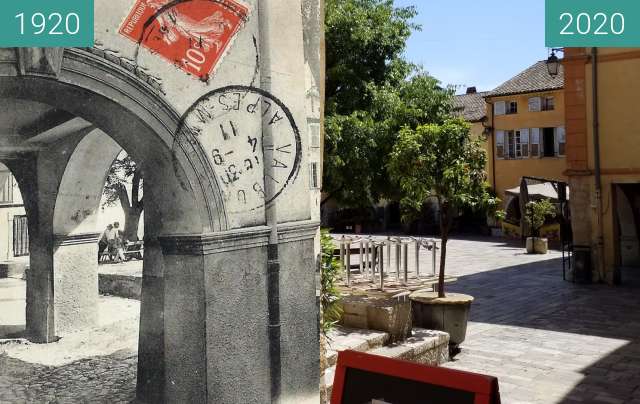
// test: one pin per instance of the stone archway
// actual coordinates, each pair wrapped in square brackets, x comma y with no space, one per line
[205,310]
[66,178]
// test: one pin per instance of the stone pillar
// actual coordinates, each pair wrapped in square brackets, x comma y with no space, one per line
[300,332]
[75,282]
[215,317]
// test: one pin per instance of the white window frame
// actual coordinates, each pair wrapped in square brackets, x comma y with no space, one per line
[500,108]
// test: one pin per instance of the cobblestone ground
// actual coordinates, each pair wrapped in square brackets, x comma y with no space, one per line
[94,366]
[548,341]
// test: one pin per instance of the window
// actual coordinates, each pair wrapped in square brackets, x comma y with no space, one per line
[548,142]
[548,103]
[512,107]
[6,187]
[314,133]
[560,141]
[500,144]
[20,236]
[535,104]
[500,108]
[314,175]
[534,143]
[512,144]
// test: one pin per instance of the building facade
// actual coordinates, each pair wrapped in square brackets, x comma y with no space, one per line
[526,118]
[602,162]
[14,236]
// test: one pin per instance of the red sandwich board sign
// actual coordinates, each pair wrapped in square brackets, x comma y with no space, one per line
[193,35]
[362,378]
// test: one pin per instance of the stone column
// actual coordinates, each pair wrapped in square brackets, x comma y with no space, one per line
[75,282]
[215,317]
[300,332]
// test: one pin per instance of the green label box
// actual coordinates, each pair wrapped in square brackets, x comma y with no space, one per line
[46,23]
[592,23]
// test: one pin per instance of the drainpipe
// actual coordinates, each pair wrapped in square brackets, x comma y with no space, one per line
[596,160]
[271,213]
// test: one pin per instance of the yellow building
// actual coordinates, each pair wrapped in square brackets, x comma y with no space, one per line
[602,158]
[523,122]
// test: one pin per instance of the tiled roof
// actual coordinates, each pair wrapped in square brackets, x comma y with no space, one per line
[471,107]
[533,79]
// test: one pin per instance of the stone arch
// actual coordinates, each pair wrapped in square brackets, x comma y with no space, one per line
[98,91]
[80,189]
[185,203]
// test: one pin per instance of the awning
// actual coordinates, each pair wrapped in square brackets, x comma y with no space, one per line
[541,190]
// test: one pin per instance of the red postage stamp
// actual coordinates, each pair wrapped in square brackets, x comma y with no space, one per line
[192,34]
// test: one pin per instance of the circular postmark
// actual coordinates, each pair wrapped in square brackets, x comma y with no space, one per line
[228,122]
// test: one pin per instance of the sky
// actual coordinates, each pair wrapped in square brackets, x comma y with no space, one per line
[476,43]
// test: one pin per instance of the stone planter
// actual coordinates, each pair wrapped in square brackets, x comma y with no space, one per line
[449,314]
[537,245]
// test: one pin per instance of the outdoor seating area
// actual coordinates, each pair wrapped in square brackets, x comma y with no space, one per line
[133,250]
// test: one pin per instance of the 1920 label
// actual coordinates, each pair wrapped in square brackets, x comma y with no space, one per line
[45,24]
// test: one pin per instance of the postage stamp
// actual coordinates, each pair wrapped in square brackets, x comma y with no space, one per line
[192,34]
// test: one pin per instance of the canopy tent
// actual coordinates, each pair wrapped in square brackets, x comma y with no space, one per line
[536,191]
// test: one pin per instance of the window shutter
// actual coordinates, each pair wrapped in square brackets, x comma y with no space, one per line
[500,144]
[500,108]
[524,141]
[560,141]
[535,142]
[535,104]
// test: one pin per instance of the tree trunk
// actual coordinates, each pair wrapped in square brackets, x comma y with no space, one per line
[445,224]
[132,209]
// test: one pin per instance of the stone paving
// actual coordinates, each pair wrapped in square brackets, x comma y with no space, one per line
[93,366]
[547,340]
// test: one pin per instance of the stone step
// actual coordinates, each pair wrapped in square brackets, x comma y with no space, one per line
[424,346]
[342,338]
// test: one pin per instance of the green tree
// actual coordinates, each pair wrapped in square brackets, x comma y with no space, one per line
[371,92]
[536,213]
[441,161]
[124,172]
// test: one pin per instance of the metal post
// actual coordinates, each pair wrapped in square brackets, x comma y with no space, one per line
[372,262]
[405,263]
[417,258]
[398,257]
[342,251]
[389,252]
[348,266]
[434,250]
[366,255]
[381,269]
[361,257]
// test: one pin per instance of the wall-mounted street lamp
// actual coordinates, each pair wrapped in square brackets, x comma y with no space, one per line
[553,63]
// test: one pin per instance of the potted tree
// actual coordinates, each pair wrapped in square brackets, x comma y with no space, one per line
[536,213]
[441,161]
